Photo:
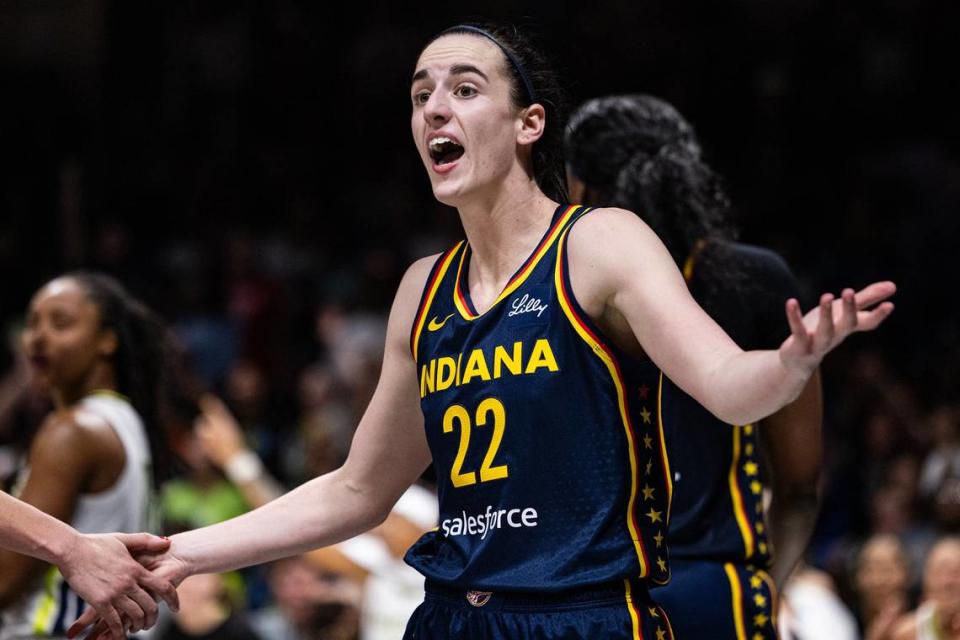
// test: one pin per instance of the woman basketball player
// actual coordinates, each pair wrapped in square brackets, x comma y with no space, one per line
[102,356]
[524,363]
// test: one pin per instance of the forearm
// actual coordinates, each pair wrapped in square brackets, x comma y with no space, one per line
[792,519]
[748,386]
[321,512]
[26,530]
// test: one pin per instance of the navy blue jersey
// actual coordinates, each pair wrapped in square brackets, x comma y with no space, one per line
[547,441]
[718,488]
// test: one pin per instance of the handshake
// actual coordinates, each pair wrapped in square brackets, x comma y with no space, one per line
[122,577]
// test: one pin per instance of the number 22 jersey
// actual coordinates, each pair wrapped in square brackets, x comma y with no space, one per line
[547,440]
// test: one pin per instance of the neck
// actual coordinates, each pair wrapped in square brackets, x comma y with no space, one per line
[101,376]
[503,229]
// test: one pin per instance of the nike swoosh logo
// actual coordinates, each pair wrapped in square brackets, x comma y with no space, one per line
[435,326]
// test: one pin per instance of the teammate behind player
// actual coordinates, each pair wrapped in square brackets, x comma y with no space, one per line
[518,361]
[639,153]
[102,356]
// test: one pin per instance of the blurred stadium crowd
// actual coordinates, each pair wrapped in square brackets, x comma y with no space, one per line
[246,169]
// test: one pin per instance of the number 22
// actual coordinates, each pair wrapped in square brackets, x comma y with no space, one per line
[457,413]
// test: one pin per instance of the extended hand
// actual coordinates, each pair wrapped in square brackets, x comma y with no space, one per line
[101,570]
[814,335]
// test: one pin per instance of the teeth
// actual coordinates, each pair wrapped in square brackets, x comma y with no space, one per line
[436,142]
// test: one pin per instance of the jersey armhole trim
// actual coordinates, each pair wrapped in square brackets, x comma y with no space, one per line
[426,298]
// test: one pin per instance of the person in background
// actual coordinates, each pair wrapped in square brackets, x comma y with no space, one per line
[105,361]
[938,617]
[638,152]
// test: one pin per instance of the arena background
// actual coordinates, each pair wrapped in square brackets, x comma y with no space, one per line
[247,168]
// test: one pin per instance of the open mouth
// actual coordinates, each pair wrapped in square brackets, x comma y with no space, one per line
[444,150]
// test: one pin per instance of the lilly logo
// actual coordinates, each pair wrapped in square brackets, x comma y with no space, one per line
[479,598]
[436,326]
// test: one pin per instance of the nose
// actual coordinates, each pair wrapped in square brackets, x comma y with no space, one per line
[437,109]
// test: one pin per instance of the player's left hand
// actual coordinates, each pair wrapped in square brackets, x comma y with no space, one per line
[814,335]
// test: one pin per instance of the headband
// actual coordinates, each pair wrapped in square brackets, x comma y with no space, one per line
[460,28]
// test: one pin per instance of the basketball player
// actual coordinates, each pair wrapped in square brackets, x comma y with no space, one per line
[102,356]
[640,153]
[95,566]
[522,362]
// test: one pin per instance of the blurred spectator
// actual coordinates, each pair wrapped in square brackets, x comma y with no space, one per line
[308,605]
[811,610]
[938,617]
[881,581]
[206,613]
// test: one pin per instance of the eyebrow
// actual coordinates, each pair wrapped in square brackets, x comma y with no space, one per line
[455,70]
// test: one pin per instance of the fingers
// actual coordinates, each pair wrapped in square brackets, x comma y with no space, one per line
[825,328]
[870,320]
[874,293]
[147,606]
[137,542]
[131,612]
[848,313]
[161,588]
[89,617]
[797,330]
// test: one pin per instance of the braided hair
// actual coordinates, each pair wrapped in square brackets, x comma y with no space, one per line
[639,153]
[143,361]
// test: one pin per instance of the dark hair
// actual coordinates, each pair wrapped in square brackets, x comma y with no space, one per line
[639,153]
[144,358]
[527,66]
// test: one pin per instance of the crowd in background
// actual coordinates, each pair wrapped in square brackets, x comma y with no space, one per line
[191,153]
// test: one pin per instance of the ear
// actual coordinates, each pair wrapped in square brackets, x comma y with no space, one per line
[108,343]
[533,121]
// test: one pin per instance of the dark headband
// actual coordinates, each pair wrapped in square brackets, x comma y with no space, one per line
[460,28]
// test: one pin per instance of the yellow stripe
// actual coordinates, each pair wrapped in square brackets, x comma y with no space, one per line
[746,532]
[521,277]
[429,300]
[456,291]
[637,635]
[621,402]
[774,595]
[668,474]
[737,595]
[48,604]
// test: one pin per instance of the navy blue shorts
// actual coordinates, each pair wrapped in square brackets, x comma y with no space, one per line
[719,601]
[621,611]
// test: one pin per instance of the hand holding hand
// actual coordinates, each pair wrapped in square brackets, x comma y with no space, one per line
[118,588]
[814,335]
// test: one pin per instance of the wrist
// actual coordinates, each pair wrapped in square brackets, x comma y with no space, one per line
[59,546]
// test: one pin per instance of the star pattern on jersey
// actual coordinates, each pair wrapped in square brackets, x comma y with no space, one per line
[643,391]
[654,515]
[752,487]
[760,603]
[750,468]
[647,441]
[659,539]
[649,468]
[653,612]
[645,415]
[647,492]
[662,564]
[661,634]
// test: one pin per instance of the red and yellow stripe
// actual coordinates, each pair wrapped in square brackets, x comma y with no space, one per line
[430,292]
[739,512]
[736,595]
[635,614]
[605,355]
[518,279]
[667,473]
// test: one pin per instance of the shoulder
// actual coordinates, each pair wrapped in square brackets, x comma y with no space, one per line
[407,300]
[75,436]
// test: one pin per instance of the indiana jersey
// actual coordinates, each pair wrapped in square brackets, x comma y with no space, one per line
[719,484]
[546,438]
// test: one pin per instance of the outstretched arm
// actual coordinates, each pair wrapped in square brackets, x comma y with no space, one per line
[99,568]
[389,452]
[625,279]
